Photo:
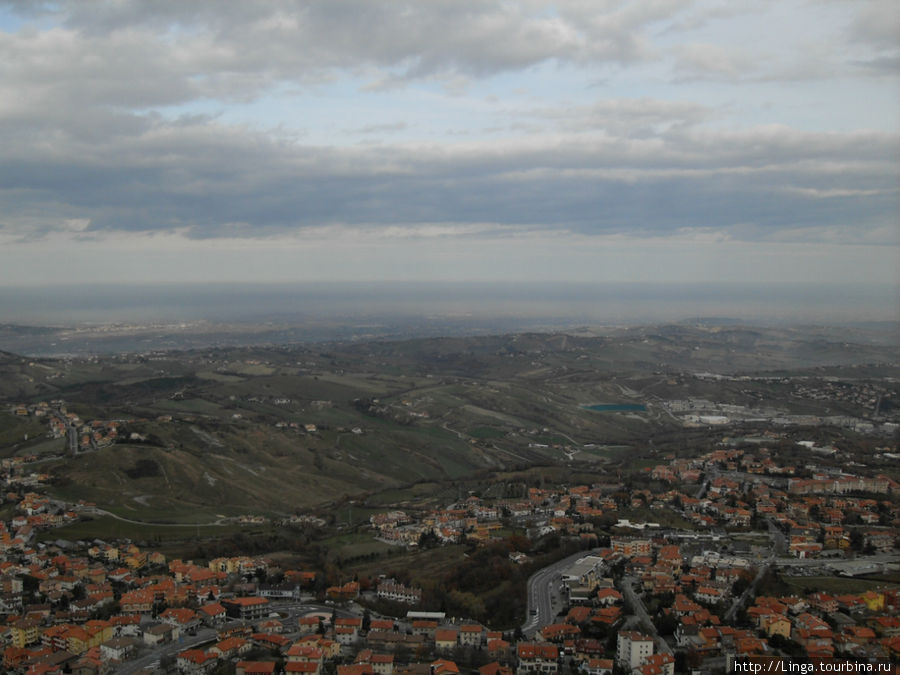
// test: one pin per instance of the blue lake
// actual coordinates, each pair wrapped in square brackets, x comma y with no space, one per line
[616,407]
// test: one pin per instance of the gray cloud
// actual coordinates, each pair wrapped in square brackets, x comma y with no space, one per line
[877,23]
[210,47]
[80,139]
[215,180]
[388,127]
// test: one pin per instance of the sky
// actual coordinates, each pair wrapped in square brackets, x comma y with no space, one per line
[444,140]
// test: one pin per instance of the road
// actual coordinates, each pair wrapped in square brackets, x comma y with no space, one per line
[103,512]
[877,559]
[289,612]
[71,431]
[637,606]
[204,635]
[749,592]
[779,541]
[543,590]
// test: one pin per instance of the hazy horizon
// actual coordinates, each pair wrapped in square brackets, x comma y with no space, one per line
[578,303]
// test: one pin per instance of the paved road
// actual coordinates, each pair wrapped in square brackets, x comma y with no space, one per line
[637,606]
[104,512]
[204,635]
[877,559]
[71,432]
[542,588]
[289,611]
[779,541]
[750,590]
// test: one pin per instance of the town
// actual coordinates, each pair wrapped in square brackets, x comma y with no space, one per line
[653,597]
[379,509]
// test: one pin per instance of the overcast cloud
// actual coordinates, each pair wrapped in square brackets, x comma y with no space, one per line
[503,125]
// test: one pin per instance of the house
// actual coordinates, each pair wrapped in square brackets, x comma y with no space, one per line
[423,627]
[393,639]
[346,635]
[776,624]
[498,648]
[470,635]
[212,613]
[445,639]
[709,594]
[349,591]
[608,596]
[195,661]
[382,664]
[270,641]
[160,633]
[137,602]
[537,658]
[495,669]
[233,646]
[389,589]
[25,632]
[308,624]
[255,668]
[557,632]
[285,591]
[186,619]
[356,669]
[632,648]
[597,667]
[444,667]
[118,649]
[246,609]
[657,664]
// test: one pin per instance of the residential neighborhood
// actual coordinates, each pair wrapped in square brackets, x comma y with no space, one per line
[642,597]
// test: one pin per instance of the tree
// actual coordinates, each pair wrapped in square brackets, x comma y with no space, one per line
[666,624]
[428,540]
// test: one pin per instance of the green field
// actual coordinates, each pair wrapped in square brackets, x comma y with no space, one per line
[13,430]
[107,527]
[194,405]
[355,546]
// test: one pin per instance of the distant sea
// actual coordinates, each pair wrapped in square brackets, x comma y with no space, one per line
[553,303]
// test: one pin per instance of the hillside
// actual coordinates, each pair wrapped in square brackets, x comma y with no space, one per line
[223,431]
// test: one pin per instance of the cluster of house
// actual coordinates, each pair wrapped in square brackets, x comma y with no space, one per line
[817,513]
[697,593]
[394,591]
[476,519]
[866,394]
[93,434]
[33,512]
[859,625]
[97,609]
[428,648]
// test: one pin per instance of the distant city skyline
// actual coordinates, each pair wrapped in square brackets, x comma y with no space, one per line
[604,141]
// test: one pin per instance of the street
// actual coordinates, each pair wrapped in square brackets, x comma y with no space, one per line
[543,587]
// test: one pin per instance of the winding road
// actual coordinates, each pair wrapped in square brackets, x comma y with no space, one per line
[103,512]
[543,590]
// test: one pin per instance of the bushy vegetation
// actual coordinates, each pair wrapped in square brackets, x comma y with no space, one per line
[143,468]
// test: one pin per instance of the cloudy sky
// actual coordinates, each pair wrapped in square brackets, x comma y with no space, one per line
[583,140]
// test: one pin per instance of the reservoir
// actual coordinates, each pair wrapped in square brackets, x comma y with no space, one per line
[616,407]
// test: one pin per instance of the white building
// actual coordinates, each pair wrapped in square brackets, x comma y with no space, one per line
[632,648]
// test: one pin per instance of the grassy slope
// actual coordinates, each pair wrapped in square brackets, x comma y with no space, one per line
[486,400]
